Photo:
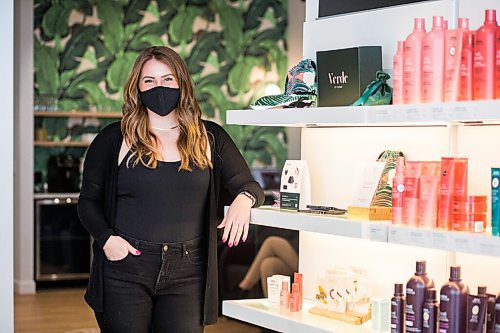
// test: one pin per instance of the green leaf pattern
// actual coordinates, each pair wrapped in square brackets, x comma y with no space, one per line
[85,64]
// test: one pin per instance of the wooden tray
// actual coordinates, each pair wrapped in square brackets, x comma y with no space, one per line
[350,317]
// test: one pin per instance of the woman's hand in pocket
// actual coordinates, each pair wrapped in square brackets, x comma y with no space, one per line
[117,248]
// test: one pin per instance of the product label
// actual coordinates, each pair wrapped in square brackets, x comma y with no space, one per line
[495,201]
[426,317]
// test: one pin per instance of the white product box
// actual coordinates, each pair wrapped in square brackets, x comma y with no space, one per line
[274,284]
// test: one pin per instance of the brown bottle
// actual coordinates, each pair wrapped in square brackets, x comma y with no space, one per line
[490,315]
[453,307]
[497,315]
[415,297]
[398,309]
[430,312]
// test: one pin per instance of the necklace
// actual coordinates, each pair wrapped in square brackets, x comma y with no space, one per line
[165,129]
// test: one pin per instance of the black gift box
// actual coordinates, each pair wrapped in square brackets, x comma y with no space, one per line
[344,74]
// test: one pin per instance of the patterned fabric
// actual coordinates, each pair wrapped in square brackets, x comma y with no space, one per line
[383,195]
[301,89]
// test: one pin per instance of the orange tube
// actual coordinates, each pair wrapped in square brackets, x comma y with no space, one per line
[410,201]
[427,205]
[445,214]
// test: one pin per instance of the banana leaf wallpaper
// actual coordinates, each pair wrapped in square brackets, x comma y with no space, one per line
[84,50]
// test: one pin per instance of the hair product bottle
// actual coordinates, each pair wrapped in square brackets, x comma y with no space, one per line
[430,312]
[484,57]
[297,278]
[476,311]
[467,66]
[413,170]
[452,58]
[490,314]
[495,201]
[412,63]
[398,309]
[398,189]
[446,201]
[397,76]
[497,70]
[453,307]
[415,296]
[284,296]
[433,62]
[295,298]
[497,314]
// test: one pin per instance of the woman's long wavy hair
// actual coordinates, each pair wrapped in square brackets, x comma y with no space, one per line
[135,125]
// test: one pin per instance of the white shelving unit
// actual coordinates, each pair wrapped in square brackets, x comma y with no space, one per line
[380,231]
[335,141]
[472,112]
[320,223]
[258,312]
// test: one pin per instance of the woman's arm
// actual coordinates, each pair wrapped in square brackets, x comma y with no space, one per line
[92,197]
[237,178]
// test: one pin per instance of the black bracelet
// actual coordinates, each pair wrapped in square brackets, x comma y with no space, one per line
[250,196]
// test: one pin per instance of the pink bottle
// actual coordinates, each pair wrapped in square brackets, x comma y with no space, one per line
[497,74]
[484,57]
[463,23]
[397,77]
[412,63]
[295,298]
[433,62]
[445,24]
[467,67]
[452,57]
[284,296]
[398,189]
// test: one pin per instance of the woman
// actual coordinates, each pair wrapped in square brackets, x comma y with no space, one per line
[149,199]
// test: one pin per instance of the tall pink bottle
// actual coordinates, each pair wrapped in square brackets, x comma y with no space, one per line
[397,77]
[497,73]
[412,63]
[452,59]
[484,57]
[433,62]
[398,189]
[467,67]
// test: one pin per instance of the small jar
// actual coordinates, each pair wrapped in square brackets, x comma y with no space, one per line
[470,214]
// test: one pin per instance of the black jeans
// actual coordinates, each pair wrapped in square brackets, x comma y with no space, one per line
[161,290]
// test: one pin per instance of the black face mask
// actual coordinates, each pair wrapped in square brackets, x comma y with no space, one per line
[160,100]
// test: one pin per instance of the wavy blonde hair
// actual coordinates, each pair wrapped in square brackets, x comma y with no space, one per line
[136,128]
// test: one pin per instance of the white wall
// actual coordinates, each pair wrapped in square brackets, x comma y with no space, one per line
[296,18]
[336,155]
[23,149]
[6,165]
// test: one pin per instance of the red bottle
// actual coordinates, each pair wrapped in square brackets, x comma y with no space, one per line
[484,57]
[467,67]
[295,298]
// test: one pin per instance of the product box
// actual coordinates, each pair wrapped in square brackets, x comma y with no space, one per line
[344,74]
[274,284]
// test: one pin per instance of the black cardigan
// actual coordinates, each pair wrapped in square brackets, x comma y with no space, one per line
[97,202]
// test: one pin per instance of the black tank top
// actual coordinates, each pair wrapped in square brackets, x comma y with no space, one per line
[162,204]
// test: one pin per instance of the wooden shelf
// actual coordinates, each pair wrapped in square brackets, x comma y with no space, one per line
[83,114]
[80,144]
